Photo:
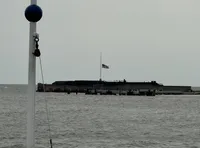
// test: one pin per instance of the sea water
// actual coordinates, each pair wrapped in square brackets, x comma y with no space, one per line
[84,121]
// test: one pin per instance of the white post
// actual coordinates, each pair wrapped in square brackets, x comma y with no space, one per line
[31,87]
[100,66]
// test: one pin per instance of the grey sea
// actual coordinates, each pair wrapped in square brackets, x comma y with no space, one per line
[81,121]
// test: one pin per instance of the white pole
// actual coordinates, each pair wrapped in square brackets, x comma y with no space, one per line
[31,87]
[100,66]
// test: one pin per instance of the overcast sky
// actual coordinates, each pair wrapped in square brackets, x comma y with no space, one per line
[141,40]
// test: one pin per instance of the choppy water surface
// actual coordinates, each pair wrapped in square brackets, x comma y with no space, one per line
[81,121]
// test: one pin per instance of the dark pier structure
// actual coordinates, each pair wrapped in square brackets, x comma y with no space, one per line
[113,88]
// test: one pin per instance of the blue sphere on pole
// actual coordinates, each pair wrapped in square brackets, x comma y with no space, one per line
[33,13]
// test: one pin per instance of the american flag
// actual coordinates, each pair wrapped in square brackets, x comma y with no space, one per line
[105,66]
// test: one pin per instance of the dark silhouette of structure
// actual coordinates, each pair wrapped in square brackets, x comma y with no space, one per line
[112,87]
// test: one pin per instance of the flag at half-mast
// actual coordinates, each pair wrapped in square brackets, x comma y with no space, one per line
[105,66]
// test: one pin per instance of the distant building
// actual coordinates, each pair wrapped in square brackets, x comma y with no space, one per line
[83,85]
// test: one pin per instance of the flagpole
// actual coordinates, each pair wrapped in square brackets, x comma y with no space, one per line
[100,66]
[33,14]
[31,87]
